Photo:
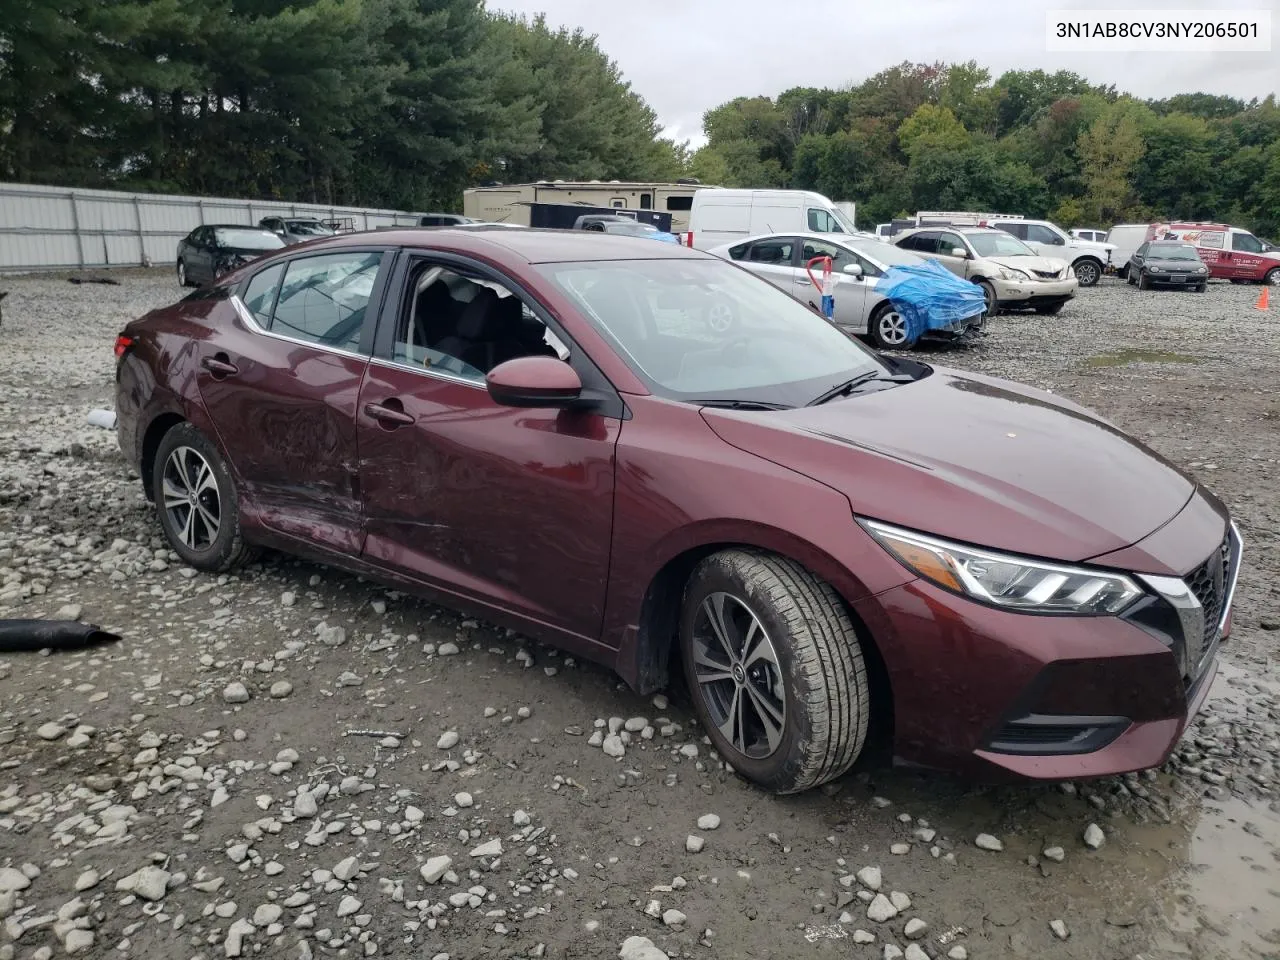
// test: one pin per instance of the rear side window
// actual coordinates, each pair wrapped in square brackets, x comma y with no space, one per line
[926,243]
[323,299]
[737,253]
[680,203]
[776,252]
[260,294]
[1019,230]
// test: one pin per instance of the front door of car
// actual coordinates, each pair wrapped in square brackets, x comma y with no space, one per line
[1047,243]
[773,260]
[281,386]
[851,293]
[948,244]
[511,507]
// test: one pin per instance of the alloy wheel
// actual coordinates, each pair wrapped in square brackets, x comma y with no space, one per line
[189,489]
[182,274]
[1087,274]
[892,328]
[720,318]
[738,675]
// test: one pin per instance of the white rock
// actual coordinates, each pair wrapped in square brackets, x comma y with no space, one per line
[13,879]
[267,914]
[640,948]
[915,928]
[87,880]
[958,952]
[1056,854]
[881,909]
[281,689]
[520,818]
[1059,929]
[491,848]
[915,952]
[235,692]
[870,877]
[448,740]
[464,800]
[694,844]
[635,724]
[985,841]
[435,868]
[708,821]
[78,940]
[1094,837]
[613,746]
[673,918]
[347,869]
[304,804]
[689,751]
[447,649]
[149,883]
[900,900]
[348,906]
[900,849]
[50,731]
[860,936]
[233,945]
[892,952]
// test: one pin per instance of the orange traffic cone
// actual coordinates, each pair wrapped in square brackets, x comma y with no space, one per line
[1264,301]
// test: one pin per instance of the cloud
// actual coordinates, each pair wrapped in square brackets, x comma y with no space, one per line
[687,56]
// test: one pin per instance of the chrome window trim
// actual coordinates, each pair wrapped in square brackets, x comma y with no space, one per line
[428,372]
[250,321]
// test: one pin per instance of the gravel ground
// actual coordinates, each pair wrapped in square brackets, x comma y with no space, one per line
[292,761]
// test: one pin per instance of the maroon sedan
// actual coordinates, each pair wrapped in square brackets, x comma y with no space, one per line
[647,456]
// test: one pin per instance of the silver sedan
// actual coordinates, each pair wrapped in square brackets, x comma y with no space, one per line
[857,262]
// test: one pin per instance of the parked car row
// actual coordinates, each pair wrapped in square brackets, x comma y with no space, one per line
[647,456]
[1228,253]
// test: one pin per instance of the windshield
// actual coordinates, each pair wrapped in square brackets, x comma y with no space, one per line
[309,228]
[999,244]
[886,253]
[844,221]
[1172,251]
[703,330]
[248,239]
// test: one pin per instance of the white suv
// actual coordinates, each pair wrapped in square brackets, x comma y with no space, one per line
[1088,258]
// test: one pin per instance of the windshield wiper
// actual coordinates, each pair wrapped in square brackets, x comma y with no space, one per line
[846,388]
[744,404]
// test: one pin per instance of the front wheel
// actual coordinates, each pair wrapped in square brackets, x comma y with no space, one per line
[1144,282]
[988,297]
[196,501]
[1272,277]
[889,328]
[183,279]
[775,668]
[1088,272]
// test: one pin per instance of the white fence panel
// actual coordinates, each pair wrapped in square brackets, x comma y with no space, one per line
[66,228]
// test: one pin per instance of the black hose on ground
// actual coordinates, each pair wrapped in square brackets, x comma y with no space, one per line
[22,635]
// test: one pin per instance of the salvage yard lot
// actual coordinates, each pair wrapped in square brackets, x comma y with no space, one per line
[290,745]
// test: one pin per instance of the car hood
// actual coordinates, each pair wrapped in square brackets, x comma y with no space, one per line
[1041,264]
[1169,264]
[974,459]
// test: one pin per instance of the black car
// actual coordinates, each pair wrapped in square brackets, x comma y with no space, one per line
[443,220]
[1172,263]
[296,229]
[206,253]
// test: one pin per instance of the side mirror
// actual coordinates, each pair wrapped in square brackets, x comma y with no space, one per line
[1057,241]
[852,270]
[534,382]
[959,252]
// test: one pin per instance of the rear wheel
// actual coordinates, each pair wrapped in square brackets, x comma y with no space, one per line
[1088,272]
[196,501]
[183,279]
[1272,277]
[889,328]
[775,668]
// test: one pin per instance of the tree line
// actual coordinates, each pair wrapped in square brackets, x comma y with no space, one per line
[403,103]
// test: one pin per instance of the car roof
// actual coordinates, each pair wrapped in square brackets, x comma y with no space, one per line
[236,226]
[532,245]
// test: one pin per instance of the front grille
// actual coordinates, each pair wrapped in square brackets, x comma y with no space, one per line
[1056,735]
[1047,274]
[1209,583]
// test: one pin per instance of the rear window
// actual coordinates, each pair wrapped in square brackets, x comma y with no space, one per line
[680,203]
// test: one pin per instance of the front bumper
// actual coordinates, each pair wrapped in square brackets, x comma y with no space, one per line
[998,694]
[1177,279]
[1029,292]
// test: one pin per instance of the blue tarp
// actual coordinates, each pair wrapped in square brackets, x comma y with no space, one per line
[930,297]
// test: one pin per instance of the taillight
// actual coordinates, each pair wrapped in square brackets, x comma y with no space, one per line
[123,344]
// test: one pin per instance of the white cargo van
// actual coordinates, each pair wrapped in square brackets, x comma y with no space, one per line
[1126,238]
[720,216]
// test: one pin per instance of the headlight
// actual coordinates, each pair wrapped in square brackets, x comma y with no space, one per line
[1153,268]
[1071,273]
[1202,269]
[1009,273]
[1030,586]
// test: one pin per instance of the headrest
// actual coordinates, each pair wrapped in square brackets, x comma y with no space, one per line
[473,323]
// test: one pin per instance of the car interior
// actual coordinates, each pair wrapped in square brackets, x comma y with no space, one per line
[467,326]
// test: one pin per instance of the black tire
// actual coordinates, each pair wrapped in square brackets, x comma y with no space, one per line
[1088,272]
[1202,287]
[817,666]
[1273,276]
[988,295]
[1143,282]
[888,328]
[1129,277]
[225,548]
[183,279]
[1048,309]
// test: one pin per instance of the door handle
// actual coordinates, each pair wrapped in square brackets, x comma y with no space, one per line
[388,416]
[803,281]
[220,366]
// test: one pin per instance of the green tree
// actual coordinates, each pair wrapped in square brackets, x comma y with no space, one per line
[1109,153]
[930,129]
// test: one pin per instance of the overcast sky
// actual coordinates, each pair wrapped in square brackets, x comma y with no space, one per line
[685,56]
